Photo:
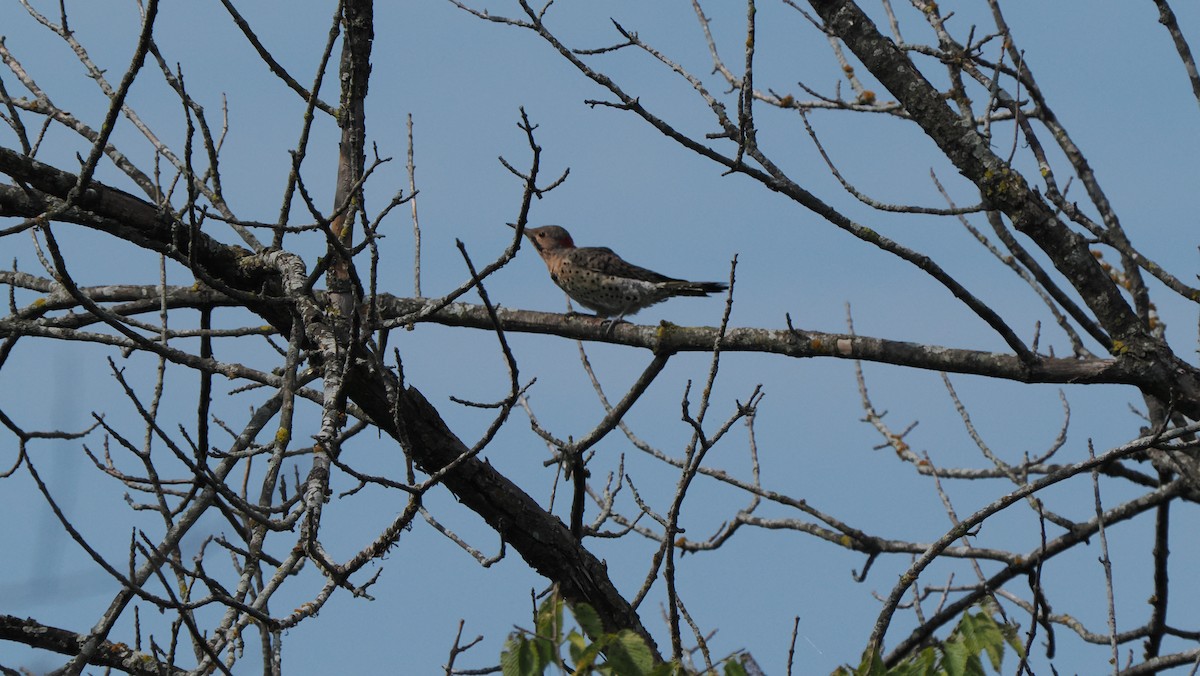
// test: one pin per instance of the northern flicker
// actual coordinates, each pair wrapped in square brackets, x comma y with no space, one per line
[602,281]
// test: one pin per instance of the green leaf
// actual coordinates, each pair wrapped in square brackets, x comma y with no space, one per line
[924,663]
[955,658]
[628,654]
[991,640]
[966,632]
[508,663]
[548,628]
[576,644]
[960,660]
[583,654]
[870,665]
[981,633]
[1011,638]
[548,621]
[519,659]
[588,620]
[733,667]
[544,651]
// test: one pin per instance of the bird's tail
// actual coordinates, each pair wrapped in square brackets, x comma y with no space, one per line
[685,288]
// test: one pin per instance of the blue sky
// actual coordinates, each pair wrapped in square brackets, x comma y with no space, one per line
[1108,68]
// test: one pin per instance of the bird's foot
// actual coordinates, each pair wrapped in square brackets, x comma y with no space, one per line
[609,324]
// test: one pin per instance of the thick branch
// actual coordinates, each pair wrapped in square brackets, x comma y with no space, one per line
[114,655]
[1007,191]
[668,337]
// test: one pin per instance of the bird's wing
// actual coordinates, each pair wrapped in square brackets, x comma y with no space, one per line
[602,259]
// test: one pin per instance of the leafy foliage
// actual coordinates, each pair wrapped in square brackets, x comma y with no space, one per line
[589,649]
[977,635]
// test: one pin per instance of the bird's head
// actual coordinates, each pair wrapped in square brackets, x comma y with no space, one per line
[550,238]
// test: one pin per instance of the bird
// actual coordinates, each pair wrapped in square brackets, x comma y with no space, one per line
[603,282]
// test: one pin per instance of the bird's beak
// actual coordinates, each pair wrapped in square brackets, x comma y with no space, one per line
[526,234]
[514,227]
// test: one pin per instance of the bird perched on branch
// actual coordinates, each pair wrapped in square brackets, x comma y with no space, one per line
[602,281]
